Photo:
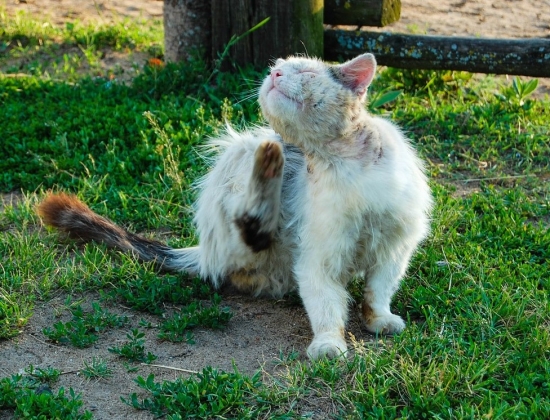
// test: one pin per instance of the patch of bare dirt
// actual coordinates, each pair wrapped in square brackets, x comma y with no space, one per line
[10,199]
[480,18]
[259,332]
[252,339]
[62,11]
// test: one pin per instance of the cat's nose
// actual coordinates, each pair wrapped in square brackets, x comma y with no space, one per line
[275,73]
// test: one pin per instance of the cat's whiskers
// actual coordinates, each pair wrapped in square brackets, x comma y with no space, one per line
[248,95]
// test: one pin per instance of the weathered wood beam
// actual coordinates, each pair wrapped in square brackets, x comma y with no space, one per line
[528,57]
[362,12]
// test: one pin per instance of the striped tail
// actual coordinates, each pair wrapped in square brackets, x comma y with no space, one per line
[70,215]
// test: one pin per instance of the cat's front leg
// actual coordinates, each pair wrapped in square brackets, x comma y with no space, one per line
[257,216]
[326,303]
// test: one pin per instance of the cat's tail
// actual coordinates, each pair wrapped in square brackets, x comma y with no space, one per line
[70,215]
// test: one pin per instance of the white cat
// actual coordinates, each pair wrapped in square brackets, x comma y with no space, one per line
[328,192]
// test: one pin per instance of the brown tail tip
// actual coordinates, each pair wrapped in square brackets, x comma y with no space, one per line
[55,206]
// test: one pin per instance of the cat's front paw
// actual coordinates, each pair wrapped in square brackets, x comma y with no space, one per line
[329,345]
[385,324]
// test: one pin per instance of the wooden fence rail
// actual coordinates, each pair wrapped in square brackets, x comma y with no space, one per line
[528,57]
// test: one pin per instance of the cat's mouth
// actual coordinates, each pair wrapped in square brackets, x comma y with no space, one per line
[275,90]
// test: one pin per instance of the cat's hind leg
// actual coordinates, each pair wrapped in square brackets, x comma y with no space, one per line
[382,282]
[257,216]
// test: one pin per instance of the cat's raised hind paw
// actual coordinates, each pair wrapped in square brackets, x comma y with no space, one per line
[331,345]
[385,324]
[269,160]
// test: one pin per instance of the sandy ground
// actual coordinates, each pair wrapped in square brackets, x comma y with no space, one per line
[478,18]
[60,11]
[260,329]
[485,18]
[253,340]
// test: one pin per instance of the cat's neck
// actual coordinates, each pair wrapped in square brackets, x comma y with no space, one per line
[357,141]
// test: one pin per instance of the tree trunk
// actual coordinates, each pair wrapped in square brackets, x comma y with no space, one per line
[187,29]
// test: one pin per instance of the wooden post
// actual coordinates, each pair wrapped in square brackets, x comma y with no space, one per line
[362,12]
[295,27]
[527,57]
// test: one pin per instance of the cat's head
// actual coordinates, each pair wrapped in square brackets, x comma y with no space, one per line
[305,98]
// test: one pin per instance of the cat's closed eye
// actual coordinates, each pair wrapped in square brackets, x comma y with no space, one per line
[308,73]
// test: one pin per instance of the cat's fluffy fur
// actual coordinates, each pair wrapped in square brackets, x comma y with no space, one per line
[326,193]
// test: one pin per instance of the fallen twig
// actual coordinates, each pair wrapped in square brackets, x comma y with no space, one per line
[171,368]
[70,371]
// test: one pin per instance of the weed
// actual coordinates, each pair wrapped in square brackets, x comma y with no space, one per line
[48,374]
[97,368]
[30,396]
[383,98]
[82,331]
[143,323]
[147,290]
[286,359]
[130,368]
[517,94]
[191,316]
[134,348]
[234,40]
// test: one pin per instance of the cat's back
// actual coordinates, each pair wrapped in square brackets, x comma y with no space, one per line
[397,176]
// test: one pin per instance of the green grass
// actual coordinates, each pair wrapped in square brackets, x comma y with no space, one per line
[37,47]
[476,296]
[208,394]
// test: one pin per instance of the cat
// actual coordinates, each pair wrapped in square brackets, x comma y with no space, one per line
[324,193]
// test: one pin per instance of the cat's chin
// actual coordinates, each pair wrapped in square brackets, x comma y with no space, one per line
[278,109]
[278,98]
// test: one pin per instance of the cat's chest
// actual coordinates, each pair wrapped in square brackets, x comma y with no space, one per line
[335,187]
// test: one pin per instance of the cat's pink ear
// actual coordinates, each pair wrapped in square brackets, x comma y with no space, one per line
[357,74]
